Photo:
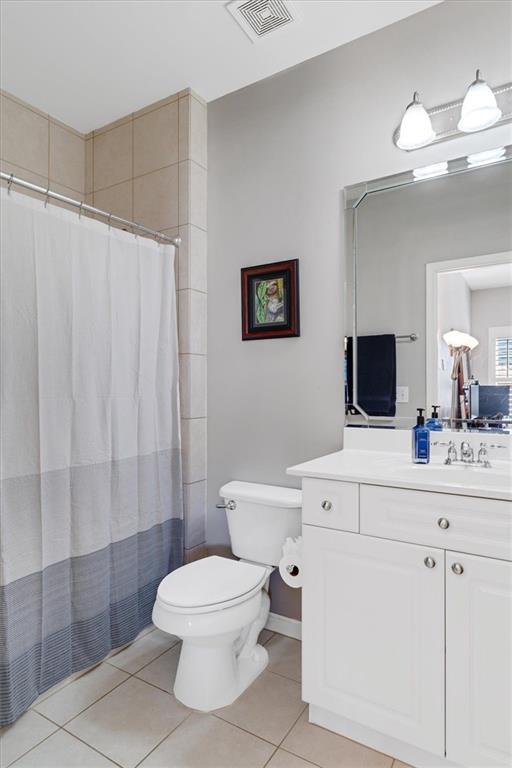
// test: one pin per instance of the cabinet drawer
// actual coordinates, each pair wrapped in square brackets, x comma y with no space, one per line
[331,504]
[464,523]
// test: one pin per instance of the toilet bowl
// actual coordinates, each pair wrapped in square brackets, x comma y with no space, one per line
[218,606]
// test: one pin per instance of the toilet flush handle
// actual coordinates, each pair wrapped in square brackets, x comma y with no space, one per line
[231,505]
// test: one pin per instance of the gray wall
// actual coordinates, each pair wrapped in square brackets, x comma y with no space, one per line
[489,308]
[280,152]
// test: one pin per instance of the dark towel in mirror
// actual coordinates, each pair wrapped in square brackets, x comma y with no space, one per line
[376,373]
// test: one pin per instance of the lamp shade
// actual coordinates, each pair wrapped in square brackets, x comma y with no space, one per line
[479,108]
[459,339]
[416,128]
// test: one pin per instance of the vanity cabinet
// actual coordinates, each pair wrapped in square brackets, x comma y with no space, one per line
[407,622]
[373,633]
[478,660]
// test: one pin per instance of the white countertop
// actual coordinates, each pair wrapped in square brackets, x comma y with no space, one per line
[397,470]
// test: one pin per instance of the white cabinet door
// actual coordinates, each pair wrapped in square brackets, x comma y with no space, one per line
[478,660]
[373,633]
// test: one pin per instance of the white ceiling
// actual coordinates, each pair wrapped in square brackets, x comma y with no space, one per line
[492,276]
[88,62]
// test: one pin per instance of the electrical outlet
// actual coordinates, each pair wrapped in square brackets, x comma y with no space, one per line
[402,394]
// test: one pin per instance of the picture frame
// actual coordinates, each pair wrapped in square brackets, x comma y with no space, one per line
[270,300]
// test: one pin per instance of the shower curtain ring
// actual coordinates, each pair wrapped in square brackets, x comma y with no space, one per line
[109,220]
[80,210]
[9,183]
[47,196]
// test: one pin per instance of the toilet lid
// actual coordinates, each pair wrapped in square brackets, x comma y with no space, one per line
[210,581]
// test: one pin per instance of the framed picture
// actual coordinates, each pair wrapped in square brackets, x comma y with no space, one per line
[270,300]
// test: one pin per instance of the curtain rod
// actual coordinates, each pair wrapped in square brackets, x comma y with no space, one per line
[10,178]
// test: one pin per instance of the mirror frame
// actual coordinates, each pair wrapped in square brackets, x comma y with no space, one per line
[353,197]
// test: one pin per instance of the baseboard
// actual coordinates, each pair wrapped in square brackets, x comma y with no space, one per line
[284,626]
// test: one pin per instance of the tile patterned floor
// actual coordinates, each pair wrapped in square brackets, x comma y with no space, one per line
[123,713]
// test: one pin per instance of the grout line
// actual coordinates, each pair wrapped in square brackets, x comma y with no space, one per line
[306,760]
[31,748]
[95,749]
[240,727]
[165,737]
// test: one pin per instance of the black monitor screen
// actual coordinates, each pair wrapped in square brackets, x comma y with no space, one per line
[488,400]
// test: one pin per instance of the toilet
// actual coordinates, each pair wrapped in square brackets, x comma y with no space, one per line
[218,606]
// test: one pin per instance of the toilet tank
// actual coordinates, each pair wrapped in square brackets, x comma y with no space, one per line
[261,518]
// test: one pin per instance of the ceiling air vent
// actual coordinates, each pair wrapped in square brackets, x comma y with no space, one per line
[261,17]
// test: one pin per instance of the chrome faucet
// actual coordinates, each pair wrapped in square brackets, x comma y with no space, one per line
[467,455]
[483,457]
[452,453]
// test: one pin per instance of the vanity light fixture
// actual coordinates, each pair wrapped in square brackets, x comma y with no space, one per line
[429,171]
[479,108]
[484,158]
[416,128]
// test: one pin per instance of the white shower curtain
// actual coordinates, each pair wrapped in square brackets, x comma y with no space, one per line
[91,476]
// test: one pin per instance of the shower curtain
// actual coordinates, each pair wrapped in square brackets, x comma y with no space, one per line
[91,516]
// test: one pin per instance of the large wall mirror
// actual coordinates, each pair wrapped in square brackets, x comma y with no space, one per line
[430,280]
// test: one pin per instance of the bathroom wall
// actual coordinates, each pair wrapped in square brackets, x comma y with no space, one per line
[149,166]
[280,153]
[489,309]
[36,147]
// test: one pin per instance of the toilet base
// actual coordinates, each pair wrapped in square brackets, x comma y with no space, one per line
[213,677]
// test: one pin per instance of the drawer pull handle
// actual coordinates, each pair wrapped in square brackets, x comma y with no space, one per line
[457,568]
[326,505]
[443,523]
[430,562]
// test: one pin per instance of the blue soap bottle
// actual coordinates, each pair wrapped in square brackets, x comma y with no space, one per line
[420,440]
[434,423]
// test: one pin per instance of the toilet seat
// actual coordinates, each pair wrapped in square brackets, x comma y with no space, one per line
[211,584]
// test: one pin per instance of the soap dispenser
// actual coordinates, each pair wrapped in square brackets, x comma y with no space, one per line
[420,440]
[434,423]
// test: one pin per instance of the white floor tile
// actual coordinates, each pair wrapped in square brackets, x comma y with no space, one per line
[204,741]
[162,671]
[285,656]
[129,722]
[329,750]
[25,733]
[63,751]
[282,759]
[81,693]
[268,708]
[142,651]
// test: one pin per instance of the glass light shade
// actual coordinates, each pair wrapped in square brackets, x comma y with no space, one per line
[457,339]
[484,158]
[479,108]
[416,128]
[428,171]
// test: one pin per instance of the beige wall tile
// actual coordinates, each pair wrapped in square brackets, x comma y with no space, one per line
[194,499]
[155,139]
[192,322]
[22,173]
[192,194]
[114,124]
[112,160]
[193,435]
[74,194]
[24,137]
[89,175]
[116,199]
[156,198]
[192,258]
[67,158]
[156,105]
[193,386]
[193,130]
